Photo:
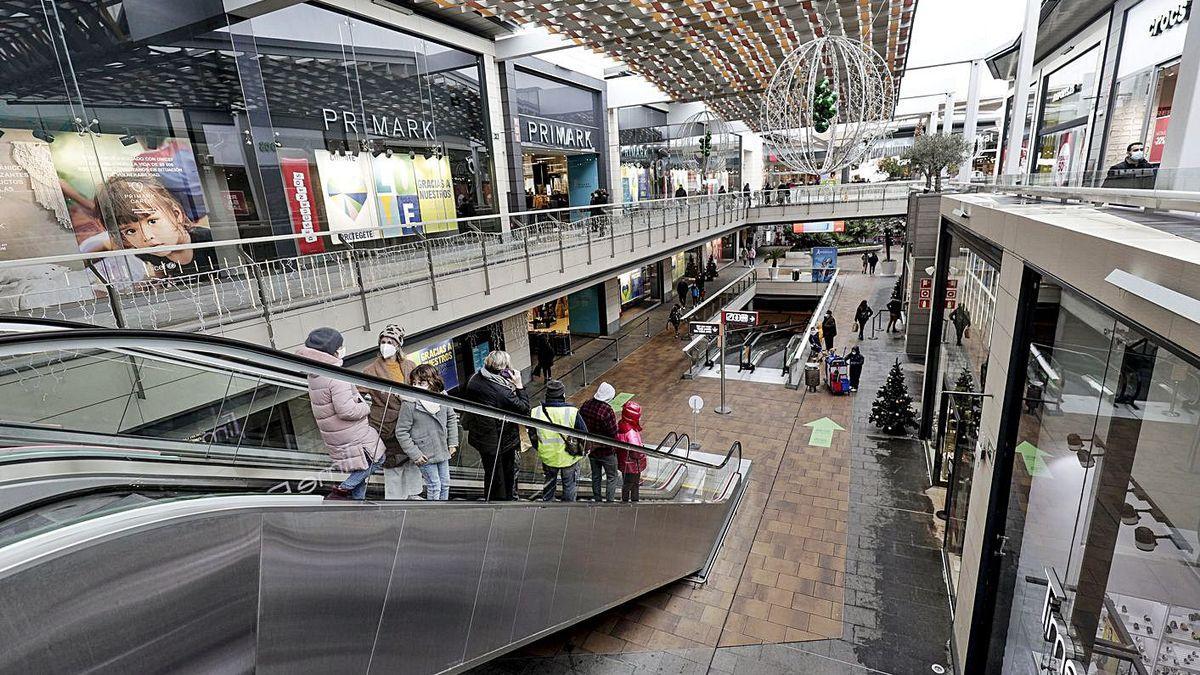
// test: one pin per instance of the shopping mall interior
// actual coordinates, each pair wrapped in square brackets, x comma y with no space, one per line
[826,336]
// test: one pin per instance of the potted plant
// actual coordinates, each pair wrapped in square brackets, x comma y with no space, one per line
[932,153]
[773,254]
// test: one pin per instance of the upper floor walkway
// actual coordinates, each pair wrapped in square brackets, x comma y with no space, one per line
[428,284]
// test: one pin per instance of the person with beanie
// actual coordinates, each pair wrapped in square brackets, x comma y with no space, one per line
[554,449]
[342,416]
[601,420]
[401,478]
[631,462]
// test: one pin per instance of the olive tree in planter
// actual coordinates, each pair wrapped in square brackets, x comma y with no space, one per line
[932,153]
[773,254]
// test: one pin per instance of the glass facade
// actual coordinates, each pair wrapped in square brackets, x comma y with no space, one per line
[1104,500]
[658,160]
[167,128]
[1067,101]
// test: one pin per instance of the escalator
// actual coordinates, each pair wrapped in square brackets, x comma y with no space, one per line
[161,509]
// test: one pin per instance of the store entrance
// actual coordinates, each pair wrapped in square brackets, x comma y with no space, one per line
[560,180]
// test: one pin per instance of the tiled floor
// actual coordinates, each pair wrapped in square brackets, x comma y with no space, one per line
[831,565]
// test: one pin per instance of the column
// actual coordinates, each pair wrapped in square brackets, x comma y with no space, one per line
[501,176]
[972,119]
[1177,170]
[516,341]
[1012,159]
[948,117]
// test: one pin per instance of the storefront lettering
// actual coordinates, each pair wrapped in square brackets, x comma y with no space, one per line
[1055,631]
[380,125]
[1170,19]
[557,135]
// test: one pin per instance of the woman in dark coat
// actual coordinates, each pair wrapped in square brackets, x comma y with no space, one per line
[861,316]
[496,385]
[855,361]
[829,329]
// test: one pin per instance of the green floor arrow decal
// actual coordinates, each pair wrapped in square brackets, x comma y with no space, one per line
[822,432]
[1034,464]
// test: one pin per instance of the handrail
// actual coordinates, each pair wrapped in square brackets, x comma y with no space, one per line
[812,323]
[242,353]
[713,296]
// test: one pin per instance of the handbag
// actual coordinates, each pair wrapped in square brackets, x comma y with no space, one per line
[575,447]
[967,332]
[854,327]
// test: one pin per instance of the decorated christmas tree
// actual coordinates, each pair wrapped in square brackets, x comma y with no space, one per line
[968,406]
[892,409]
[824,106]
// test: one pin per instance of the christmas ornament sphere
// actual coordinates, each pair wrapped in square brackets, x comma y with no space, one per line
[710,141]
[827,104]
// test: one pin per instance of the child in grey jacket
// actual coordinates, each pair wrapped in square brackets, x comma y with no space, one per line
[428,434]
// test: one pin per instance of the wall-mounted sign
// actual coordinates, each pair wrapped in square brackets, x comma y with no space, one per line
[379,125]
[1170,19]
[555,134]
[1063,654]
[1159,140]
[440,356]
[704,328]
[298,188]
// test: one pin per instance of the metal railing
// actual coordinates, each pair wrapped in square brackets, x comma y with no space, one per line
[795,367]
[592,366]
[701,349]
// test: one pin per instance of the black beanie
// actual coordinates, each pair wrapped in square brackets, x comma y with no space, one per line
[327,340]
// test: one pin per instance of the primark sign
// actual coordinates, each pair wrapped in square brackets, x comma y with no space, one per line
[387,126]
[555,134]
[1062,657]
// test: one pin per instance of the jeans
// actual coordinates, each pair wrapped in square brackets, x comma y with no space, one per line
[569,474]
[437,480]
[607,465]
[356,483]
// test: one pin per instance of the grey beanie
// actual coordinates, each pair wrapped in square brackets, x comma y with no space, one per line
[324,339]
[556,389]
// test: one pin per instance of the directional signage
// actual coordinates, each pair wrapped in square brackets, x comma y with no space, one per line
[927,283]
[822,432]
[702,328]
[1034,457]
[750,318]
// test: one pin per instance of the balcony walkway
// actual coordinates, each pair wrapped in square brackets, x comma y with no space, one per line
[832,564]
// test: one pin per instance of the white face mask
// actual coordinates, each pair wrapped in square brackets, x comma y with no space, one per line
[341,353]
[421,385]
[1137,155]
[387,350]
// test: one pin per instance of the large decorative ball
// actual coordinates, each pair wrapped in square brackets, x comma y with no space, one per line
[828,103]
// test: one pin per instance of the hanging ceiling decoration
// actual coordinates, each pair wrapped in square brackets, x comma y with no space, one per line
[722,52]
[827,105]
[714,142]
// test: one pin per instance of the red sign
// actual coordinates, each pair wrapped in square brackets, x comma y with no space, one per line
[237,202]
[1159,140]
[952,294]
[298,189]
[923,304]
[927,283]
[925,294]
[952,283]
[951,304]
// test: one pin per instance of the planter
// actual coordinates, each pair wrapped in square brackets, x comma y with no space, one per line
[773,272]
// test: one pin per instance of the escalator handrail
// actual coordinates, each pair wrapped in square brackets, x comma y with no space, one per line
[286,364]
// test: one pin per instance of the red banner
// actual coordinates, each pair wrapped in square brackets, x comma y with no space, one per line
[298,188]
[1159,140]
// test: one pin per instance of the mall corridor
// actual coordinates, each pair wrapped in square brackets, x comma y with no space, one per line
[833,561]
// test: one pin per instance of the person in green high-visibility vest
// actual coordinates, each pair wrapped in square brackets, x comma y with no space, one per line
[551,446]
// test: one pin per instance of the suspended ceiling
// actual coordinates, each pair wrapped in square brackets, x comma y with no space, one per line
[722,52]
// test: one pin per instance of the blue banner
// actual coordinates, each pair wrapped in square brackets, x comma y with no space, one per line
[824,262]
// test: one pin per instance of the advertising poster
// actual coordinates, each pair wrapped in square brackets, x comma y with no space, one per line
[299,192]
[631,286]
[582,181]
[478,353]
[1158,141]
[396,194]
[35,213]
[440,356]
[824,262]
[678,266]
[819,227]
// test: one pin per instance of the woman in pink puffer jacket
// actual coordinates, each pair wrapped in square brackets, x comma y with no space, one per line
[342,416]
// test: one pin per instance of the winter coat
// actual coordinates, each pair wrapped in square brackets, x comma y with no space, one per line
[630,461]
[421,432]
[960,317]
[862,315]
[487,434]
[894,307]
[385,408]
[601,421]
[829,327]
[342,416]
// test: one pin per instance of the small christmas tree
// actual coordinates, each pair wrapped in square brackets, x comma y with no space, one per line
[824,106]
[898,289]
[691,270]
[892,409]
[968,406]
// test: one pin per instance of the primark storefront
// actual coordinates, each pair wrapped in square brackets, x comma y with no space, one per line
[298,120]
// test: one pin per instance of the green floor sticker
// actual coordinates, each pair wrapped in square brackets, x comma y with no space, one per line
[1034,464]
[822,432]
[619,401]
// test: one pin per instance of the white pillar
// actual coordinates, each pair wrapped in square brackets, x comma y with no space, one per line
[1177,171]
[1012,159]
[972,120]
[498,142]
[948,117]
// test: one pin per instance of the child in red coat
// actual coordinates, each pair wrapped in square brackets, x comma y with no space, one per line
[631,462]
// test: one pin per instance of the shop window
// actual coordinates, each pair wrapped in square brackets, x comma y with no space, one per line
[1104,496]
[1067,102]
[550,99]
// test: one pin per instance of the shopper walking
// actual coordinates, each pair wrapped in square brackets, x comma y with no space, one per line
[601,420]
[829,329]
[681,289]
[497,385]
[814,342]
[676,318]
[545,357]
[855,361]
[631,462]
[680,192]
[873,260]
[342,416]
[710,270]
[428,434]
[700,283]
[866,261]
[961,318]
[861,316]
[753,255]
[401,478]
[557,454]
[895,307]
